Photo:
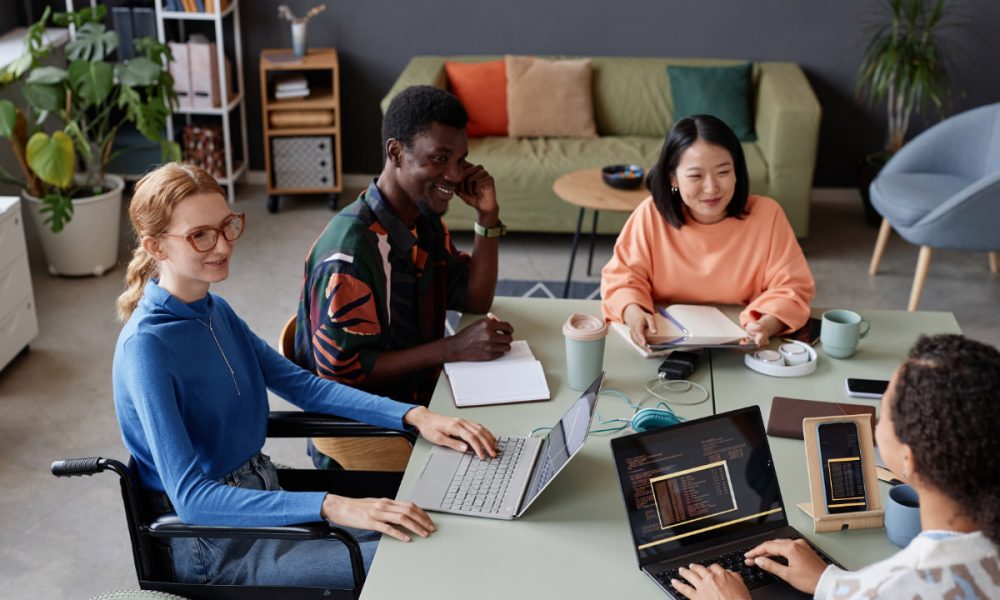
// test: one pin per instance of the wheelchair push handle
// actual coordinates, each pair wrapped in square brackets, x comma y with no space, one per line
[73,467]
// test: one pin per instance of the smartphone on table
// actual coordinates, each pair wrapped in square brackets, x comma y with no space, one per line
[866,388]
[807,334]
[843,472]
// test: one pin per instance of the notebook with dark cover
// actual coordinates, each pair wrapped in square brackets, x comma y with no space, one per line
[787,414]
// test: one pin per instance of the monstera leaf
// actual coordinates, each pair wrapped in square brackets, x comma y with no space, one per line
[91,80]
[93,42]
[139,72]
[52,158]
[59,209]
[8,115]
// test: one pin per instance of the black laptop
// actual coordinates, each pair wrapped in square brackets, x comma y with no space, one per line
[704,491]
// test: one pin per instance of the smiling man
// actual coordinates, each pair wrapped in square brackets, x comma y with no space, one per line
[380,278]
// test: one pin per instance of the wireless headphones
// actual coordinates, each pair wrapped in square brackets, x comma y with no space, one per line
[789,361]
[653,418]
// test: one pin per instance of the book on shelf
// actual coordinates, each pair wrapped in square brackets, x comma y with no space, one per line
[284,95]
[287,83]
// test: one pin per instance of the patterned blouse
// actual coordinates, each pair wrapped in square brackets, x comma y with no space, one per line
[373,284]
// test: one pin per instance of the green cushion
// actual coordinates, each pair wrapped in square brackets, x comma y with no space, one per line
[720,91]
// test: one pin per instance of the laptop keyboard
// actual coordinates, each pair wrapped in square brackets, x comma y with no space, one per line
[753,576]
[480,485]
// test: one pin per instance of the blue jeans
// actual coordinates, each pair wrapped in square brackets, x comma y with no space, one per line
[322,563]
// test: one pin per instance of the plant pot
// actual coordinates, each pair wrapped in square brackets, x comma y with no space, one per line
[870,166]
[88,244]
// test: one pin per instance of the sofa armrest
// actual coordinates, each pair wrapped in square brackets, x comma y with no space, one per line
[787,124]
[421,70]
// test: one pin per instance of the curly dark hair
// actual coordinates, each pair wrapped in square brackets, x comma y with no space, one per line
[681,136]
[947,409]
[413,111]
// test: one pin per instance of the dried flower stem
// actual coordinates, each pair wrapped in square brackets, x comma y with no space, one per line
[285,13]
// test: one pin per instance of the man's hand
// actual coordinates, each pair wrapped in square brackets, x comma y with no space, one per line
[710,583]
[484,339]
[478,190]
[457,434]
[804,568]
[639,323]
[761,330]
[390,517]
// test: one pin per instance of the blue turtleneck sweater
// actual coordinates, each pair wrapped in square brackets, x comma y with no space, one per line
[190,385]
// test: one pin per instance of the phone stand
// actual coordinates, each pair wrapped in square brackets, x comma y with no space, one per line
[872,518]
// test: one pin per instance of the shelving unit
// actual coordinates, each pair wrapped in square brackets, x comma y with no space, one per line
[236,156]
[307,156]
[18,321]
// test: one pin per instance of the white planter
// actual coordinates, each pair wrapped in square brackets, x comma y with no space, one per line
[88,244]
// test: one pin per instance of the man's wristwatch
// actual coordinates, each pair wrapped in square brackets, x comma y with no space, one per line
[490,232]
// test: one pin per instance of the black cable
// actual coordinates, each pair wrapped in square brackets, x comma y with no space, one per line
[711,380]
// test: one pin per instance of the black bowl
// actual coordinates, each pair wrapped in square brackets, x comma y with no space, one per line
[623,177]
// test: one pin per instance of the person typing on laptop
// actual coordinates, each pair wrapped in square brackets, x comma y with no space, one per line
[937,432]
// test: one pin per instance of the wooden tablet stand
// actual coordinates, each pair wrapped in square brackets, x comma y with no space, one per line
[863,519]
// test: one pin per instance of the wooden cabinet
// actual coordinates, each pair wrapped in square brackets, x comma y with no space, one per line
[301,135]
[18,323]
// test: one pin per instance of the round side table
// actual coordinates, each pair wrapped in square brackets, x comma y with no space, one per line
[586,189]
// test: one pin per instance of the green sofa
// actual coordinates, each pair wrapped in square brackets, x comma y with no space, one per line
[633,111]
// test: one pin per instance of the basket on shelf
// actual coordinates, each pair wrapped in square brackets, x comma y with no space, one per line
[204,146]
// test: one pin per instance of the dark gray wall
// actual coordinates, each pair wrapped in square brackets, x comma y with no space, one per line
[375,39]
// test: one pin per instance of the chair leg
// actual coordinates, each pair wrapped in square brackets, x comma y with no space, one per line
[994,262]
[880,242]
[923,265]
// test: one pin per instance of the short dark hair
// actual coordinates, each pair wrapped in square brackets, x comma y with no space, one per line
[414,109]
[681,136]
[947,409]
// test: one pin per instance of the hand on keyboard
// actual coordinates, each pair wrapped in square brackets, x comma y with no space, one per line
[452,432]
[795,561]
[711,583]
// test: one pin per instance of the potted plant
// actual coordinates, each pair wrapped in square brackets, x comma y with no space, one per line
[904,69]
[63,133]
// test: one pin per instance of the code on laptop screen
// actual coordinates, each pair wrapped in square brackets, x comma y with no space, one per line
[698,482]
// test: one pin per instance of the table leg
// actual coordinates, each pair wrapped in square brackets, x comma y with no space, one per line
[572,256]
[593,237]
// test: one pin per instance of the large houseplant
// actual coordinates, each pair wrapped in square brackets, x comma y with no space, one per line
[905,70]
[63,131]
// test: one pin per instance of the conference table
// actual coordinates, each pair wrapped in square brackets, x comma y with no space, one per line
[574,540]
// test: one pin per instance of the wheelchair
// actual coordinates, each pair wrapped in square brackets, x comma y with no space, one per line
[152,566]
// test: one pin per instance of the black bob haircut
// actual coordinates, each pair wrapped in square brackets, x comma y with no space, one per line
[682,135]
[414,109]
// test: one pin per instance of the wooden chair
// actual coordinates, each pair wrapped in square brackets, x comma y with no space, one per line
[353,453]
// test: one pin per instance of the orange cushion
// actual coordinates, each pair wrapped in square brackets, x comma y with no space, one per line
[482,90]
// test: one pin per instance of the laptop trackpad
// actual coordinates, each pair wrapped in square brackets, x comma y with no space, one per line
[435,478]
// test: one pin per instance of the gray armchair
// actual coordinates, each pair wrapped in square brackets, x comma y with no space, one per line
[942,190]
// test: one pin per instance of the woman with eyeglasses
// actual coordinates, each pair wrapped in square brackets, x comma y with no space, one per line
[190,386]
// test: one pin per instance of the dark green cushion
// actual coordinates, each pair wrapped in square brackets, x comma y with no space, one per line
[723,92]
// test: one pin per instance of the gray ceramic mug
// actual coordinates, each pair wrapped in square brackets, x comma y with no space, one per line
[584,349]
[840,332]
[902,515]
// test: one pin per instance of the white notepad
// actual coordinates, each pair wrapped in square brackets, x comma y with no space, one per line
[514,377]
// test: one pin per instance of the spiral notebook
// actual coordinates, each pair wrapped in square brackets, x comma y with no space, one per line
[514,377]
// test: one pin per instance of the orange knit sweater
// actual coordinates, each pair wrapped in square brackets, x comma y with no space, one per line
[754,261]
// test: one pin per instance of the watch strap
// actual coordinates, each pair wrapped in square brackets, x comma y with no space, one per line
[490,232]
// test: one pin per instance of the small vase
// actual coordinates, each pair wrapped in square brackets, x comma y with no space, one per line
[299,39]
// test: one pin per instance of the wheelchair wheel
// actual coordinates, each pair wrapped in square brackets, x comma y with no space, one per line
[137,595]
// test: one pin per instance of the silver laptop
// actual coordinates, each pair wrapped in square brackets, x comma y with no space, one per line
[504,487]
[704,491]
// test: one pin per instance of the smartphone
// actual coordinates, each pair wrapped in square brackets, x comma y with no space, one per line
[866,388]
[808,333]
[843,473]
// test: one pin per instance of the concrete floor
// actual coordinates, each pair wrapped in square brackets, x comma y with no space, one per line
[65,538]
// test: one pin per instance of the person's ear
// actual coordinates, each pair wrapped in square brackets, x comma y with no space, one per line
[673,180]
[909,464]
[153,248]
[394,152]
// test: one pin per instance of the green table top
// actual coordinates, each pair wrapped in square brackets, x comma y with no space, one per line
[574,540]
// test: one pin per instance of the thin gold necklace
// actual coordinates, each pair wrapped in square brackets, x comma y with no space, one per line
[221,351]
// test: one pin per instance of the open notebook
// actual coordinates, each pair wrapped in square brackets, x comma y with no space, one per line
[514,377]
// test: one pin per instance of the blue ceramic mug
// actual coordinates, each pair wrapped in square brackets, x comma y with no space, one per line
[902,515]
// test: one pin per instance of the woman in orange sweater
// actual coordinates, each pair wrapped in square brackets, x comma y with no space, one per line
[701,238]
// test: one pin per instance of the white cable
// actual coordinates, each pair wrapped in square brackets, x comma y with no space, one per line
[657,387]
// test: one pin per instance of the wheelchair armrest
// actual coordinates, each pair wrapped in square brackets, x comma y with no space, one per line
[170,525]
[310,424]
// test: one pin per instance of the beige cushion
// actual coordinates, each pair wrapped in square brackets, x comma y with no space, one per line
[550,98]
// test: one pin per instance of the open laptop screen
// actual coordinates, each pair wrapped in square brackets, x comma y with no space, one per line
[700,482]
[564,440]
